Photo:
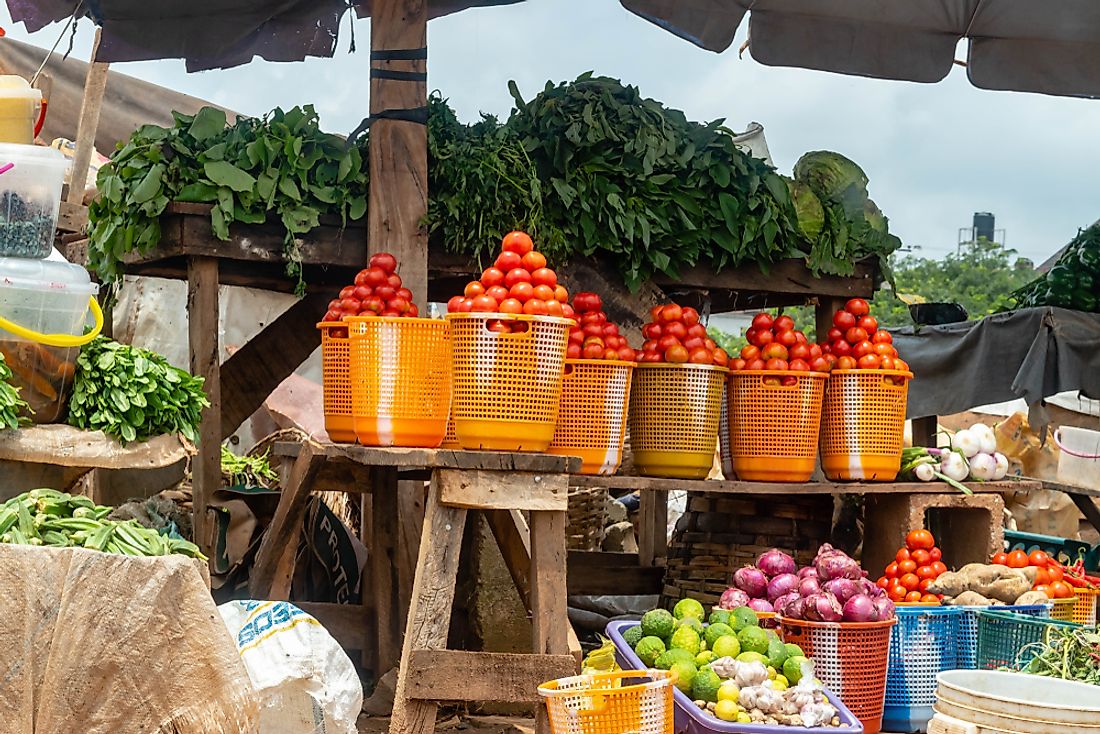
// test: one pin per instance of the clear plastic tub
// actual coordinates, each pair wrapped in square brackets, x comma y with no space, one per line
[20,105]
[30,198]
[1079,456]
[44,307]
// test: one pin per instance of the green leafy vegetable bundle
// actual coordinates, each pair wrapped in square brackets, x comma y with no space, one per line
[281,165]
[12,407]
[133,394]
[248,471]
[1073,282]
[1069,653]
[46,517]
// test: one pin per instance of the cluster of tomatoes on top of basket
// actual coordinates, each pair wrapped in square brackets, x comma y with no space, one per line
[1050,578]
[377,292]
[674,334]
[594,337]
[774,344]
[857,342]
[914,568]
[517,283]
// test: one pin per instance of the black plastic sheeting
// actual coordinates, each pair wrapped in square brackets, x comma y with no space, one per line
[1032,354]
[214,34]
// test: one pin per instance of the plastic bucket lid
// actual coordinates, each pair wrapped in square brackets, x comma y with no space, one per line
[35,155]
[13,86]
[47,296]
[1017,701]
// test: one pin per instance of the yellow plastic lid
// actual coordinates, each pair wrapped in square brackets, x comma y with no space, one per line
[13,86]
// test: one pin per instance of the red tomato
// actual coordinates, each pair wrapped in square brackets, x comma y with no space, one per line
[361,292]
[774,351]
[799,365]
[855,335]
[844,320]
[697,330]
[522,291]
[399,304]
[833,334]
[350,304]
[737,364]
[533,261]
[815,350]
[920,540]
[691,317]
[361,277]
[1038,558]
[384,261]
[784,323]
[846,363]
[676,329]
[913,597]
[786,338]
[573,351]
[1017,559]
[882,337]
[939,567]
[842,348]
[693,342]
[909,566]
[762,321]
[708,343]
[820,364]
[1056,573]
[930,599]
[332,316]
[910,580]
[799,351]
[884,350]
[518,242]
[567,310]
[800,338]
[544,276]
[700,356]
[492,276]
[544,292]
[374,304]
[870,362]
[868,324]
[562,295]
[1042,576]
[516,275]
[749,352]
[919,555]
[375,277]
[892,570]
[394,280]
[670,313]
[935,554]
[535,307]
[883,583]
[897,593]
[592,351]
[677,354]
[887,363]
[999,559]
[484,304]
[667,342]
[719,357]
[901,365]
[512,305]
[386,292]
[777,365]
[925,583]
[857,307]
[498,292]
[1045,588]
[1061,590]
[925,572]
[764,338]
[902,555]
[507,261]
[473,289]
[405,293]
[756,364]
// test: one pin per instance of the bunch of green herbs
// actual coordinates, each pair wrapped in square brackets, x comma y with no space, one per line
[1069,653]
[247,471]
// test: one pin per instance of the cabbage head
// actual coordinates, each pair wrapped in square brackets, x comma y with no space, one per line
[830,174]
[811,215]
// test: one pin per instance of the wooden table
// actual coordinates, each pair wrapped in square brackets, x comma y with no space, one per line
[415,588]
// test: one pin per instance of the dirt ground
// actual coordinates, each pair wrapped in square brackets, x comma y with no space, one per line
[452,723]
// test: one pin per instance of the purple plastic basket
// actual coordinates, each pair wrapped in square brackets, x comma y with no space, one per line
[690,720]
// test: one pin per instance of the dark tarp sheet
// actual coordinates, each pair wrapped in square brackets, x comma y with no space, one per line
[1032,354]
[212,34]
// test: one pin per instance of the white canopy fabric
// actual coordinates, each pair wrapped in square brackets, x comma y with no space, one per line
[1045,46]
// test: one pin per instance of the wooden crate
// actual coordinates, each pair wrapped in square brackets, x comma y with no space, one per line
[719,533]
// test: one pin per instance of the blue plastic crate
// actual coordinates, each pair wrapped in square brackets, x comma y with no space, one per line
[923,644]
[968,629]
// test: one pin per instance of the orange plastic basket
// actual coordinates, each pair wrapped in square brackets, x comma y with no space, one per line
[851,659]
[674,414]
[1084,611]
[724,450]
[1063,609]
[450,438]
[595,395]
[636,701]
[400,380]
[507,385]
[863,424]
[773,425]
[336,381]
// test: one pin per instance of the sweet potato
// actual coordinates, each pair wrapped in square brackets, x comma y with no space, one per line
[1032,597]
[989,580]
[972,599]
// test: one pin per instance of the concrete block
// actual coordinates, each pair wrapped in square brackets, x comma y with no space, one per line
[968,528]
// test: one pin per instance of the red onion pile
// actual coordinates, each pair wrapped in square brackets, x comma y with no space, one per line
[833,589]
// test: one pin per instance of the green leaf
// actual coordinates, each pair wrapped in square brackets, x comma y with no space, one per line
[150,186]
[207,123]
[226,174]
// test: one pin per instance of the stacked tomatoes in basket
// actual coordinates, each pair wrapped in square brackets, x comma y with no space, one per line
[857,343]
[914,568]
[594,337]
[774,344]
[377,292]
[517,283]
[675,335]
[1050,577]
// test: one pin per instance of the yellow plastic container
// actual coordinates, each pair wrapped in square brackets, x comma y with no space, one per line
[400,380]
[1063,609]
[595,395]
[1084,611]
[863,424]
[450,438]
[19,108]
[507,383]
[635,701]
[775,418]
[336,381]
[674,414]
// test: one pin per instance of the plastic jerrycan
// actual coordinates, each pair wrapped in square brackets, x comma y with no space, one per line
[20,105]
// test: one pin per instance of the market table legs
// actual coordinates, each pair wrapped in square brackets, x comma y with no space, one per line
[202,325]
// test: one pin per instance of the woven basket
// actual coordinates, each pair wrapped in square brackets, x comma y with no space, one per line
[719,533]
[587,518]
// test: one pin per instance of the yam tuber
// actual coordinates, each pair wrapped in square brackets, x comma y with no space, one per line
[972,599]
[1032,597]
[992,581]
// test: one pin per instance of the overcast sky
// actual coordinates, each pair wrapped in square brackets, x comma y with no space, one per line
[935,154]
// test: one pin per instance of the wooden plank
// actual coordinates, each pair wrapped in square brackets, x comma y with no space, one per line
[456,675]
[549,610]
[368,658]
[383,560]
[399,149]
[202,329]
[429,617]
[595,574]
[823,314]
[785,488]
[485,490]
[1070,489]
[73,218]
[1088,508]
[502,461]
[652,528]
[350,624]
[274,568]
[250,375]
[95,84]
[786,276]
[411,498]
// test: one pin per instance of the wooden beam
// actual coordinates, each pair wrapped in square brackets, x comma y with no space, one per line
[549,609]
[383,562]
[782,488]
[250,375]
[455,675]
[784,277]
[596,574]
[407,458]
[399,149]
[653,528]
[484,490]
[513,537]
[411,498]
[202,329]
[350,624]
[1088,508]
[95,84]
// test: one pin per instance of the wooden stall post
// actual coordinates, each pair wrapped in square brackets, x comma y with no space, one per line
[202,328]
[399,147]
[95,84]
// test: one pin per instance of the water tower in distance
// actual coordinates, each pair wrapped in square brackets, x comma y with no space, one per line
[983,228]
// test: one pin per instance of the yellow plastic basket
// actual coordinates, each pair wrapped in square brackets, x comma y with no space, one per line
[336,381]
[674,414]
[507,384]
[1063,609]
[450,439]
[1084,610]
[863,424]
[774,426]
[595,395]
[635,701]
[400,380]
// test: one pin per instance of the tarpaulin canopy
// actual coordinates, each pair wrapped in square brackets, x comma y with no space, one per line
[212,34]
[1032,354]
[1015,45]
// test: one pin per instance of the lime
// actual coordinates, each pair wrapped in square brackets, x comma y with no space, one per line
[783,680]
[686,638]
[688,608]
[685,675]
[752,657]
[706,657]
[705,686]
[658,623]
[726,710]
[753,639]
[780,683]
[693,622]
[743,617]
[726,647]
[719,616]
[716,630]
[794,650]
[777,653]
[792,669]
[649,649]
[668,658]
[744,718]
[772,672]
[632,635]
[729,692]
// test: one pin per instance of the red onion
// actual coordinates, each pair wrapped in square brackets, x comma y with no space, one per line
[752,581]
[733,598]
[808,586]
[760,605]
[809,572]
[884,606]
[843,589]
[834,564]
[795,609]
[823,607]
[782,584]
[860,608]
[775,562]
[870,588]
[782,603]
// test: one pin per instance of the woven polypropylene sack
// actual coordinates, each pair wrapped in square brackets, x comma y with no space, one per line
[674,414]
[1084,611]
[506,384]
[774,421]
[400,380]
[336,381]
[611,703]
[595,395]
[922,645]
[851,659]
[968,628]
[1006,639]
[863,424]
